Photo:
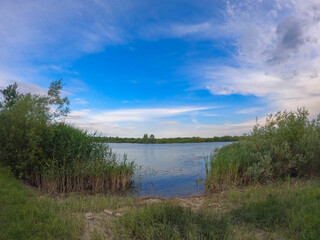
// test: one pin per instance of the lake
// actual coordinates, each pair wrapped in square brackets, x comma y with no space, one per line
[168,170]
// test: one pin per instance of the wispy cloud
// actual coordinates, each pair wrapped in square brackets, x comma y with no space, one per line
[249,110]
[171,122]
[68,27]
[132,122]
[277,54]
[6,79]
[37,37]
[132,115]
[166,128]
[80,101]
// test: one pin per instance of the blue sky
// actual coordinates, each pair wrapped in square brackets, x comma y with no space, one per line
[170,68]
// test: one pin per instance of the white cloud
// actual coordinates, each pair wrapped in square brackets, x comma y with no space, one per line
[136,122]
[249,110]
[6,79]
[277,54]
[133,115]
[228,80]
[132,122]
[80,101]
[208,30]
[171,122]
[186,29]
[166,129]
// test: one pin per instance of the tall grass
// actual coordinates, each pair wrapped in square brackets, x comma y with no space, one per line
[73,161]
[288,145]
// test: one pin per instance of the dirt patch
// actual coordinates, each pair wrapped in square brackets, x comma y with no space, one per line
[195,203]
[214,201]
[100,224]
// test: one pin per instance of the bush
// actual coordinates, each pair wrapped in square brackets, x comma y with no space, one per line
[287,146]
[50,154]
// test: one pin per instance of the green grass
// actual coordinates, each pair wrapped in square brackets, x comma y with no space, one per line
[287,209]
[295,213]
[24,215]
[281,210]
[169,221]
[28,214]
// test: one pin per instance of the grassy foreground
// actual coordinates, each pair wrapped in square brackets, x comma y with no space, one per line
[28,214]
[282,210]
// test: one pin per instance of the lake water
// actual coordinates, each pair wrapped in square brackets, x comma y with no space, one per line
[168,170]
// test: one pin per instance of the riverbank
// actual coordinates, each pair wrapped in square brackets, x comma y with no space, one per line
[282,210]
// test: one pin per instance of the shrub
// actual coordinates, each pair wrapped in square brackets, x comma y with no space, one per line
[288,145]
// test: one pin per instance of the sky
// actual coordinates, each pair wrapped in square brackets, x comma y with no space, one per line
[175,68]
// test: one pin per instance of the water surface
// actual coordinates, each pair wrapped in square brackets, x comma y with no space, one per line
[168,170]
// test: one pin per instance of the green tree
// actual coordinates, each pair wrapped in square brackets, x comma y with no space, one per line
[10,95]
[23,121]
[54,98]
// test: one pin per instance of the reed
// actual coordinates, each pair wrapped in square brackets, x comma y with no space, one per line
[72,161]
[288,145]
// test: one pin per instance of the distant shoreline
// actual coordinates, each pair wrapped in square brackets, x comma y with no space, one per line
[153,140]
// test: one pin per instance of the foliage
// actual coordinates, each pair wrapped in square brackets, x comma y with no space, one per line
[10,95]
[50,154]
[287,146]
[54,98]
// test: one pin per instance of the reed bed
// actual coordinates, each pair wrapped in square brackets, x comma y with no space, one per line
[287,146]
[73,161]
[50,154]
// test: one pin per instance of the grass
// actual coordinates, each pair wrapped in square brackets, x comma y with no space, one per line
[24,215]
[281,210]
[169,221]
[28,214]
[288,209]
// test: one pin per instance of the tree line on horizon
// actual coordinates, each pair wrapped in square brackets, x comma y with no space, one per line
[151,139]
